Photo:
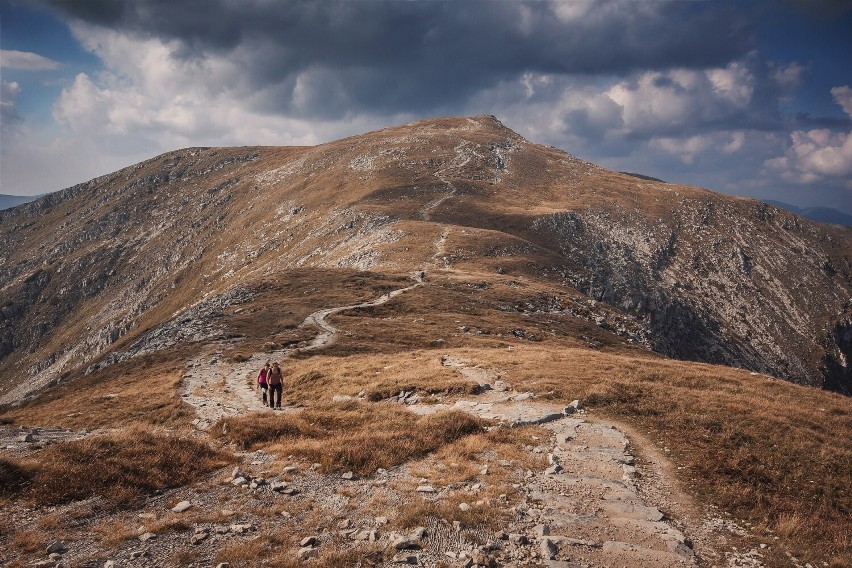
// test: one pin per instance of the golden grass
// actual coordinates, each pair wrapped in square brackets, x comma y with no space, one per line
[350,436]
[118,467]
[143,391]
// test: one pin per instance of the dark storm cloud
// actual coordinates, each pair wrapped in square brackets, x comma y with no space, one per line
[323,59]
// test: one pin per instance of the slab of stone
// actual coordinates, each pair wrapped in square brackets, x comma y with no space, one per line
[182,506]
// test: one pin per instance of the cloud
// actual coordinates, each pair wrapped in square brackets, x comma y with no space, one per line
[25,60]
[10,119]
[819,155]
[336,58]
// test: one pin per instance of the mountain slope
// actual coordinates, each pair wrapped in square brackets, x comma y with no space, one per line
[157,254]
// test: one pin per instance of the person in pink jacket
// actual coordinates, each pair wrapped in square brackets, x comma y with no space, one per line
[262,381]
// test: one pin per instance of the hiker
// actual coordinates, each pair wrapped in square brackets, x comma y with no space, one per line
[261,380]
[275,386]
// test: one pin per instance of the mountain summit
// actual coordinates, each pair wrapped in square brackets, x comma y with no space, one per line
[164,254]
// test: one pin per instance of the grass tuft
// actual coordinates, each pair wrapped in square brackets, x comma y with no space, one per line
[118,467]
[351,436]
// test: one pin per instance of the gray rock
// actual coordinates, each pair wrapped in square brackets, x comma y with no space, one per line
[199,537]
[240,481]
[145,537]
[111,564]
[55,556]
[56,546]
[182,506]
[308,541]
[553,470]
[223,565]
[290,469]
[308,552]
[279,486]
[344,524]
[349,476]
[404,558]
[241,528]
[138,554]
[426,489]
[548,548]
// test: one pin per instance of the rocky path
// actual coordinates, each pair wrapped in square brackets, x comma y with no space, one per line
[217,388]
[585,508]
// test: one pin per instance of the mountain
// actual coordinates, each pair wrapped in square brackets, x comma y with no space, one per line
[821,214]
[163,254]
[9,201]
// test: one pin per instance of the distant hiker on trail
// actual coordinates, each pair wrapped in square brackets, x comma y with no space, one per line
[261,380]
[275,386]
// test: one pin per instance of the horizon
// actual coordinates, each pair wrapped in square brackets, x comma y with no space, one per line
[750,99]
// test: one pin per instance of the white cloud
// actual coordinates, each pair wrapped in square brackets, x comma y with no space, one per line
[819,155]
[26,60]
[659,102]
[843,97]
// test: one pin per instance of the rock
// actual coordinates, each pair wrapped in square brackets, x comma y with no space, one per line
[523,396]
[516,538]
[484,471]
[419,533]
[290,491]
[552,459]
[199,537]
[344,524]
[182,506]
[404,558]
[223,565]
[553,470]
[145,537]
[237,473]
[481,557]
[426,489]
[308,552]
[56,546]
[464,507]
[349,476]
[55,556]
[541,530]
[241,528]
[290,469]
[406,543]
[279,486]
[342,398]
[138,554]
[308,541]
[381,521]
[240,481]
[366,535]
[27,438]
[548,548]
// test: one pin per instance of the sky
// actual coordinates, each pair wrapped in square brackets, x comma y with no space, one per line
[750,98]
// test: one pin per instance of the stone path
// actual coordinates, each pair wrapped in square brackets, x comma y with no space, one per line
[584,510]
[217,388]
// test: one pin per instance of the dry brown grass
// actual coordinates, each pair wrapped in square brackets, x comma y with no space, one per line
[28,541]
[145,391]
[112,533]
[119,467]
[350,436]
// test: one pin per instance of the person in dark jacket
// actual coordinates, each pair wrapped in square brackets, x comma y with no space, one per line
[274,380]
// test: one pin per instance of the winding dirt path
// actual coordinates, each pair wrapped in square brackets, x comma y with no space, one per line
[217,388]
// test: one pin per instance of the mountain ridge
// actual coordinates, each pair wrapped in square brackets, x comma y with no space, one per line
[91,269]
